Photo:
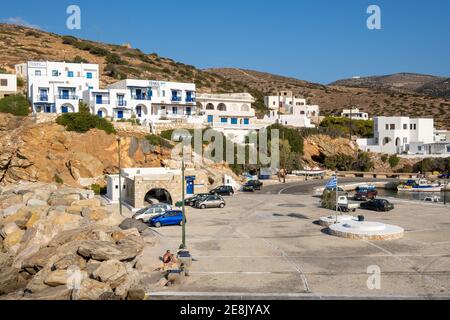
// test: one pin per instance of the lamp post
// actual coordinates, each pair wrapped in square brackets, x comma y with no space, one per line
[183,227]
[120,176]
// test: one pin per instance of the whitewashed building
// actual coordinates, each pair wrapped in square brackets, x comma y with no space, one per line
[354,114]
[399,135]
[230,113]
[57,87]
[8,85]
[289,110]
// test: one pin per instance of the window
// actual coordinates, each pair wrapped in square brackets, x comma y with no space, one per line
[387,127]
[419,148]
[246,121]
[70,74]
[4,82]
[175,110]
[234,121]
[410,126]
[223,120]
[405,127]
[89,75]
[55,73]
[164,93]
[448,149]
[392,127]
[405,140]
[37,73]
[415,126]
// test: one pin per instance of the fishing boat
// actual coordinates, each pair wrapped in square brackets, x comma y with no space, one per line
[419,185]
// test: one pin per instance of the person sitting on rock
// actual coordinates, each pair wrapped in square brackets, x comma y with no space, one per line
[169,259]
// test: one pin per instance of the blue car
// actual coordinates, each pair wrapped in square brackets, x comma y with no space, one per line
[169,218]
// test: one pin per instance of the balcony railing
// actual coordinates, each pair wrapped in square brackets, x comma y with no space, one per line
[101,101]
[42,98]
[121,103]
[176,99]
[190,99]
[141,97]
[67,97]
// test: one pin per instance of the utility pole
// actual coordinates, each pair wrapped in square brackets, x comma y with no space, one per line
[337,196]
[183,227]
[351,117]
[120,177]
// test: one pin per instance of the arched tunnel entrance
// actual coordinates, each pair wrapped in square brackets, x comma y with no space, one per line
[158,195]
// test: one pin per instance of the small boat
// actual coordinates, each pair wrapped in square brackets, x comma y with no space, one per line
[419,185]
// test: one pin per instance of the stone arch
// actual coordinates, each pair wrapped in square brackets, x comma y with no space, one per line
[102,112]
[210,106]
[222,107]
[397,142]
[160,194]
[386,140]
[141,110]
[245,107]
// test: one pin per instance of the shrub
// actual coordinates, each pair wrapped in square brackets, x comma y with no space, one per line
[58,179]
[79,59]
[113,58]
[361,128]
[159,141]
[98,190]
[20,82]
[82,122]
[394,160]
[384,158]
[17,105]
[69,40]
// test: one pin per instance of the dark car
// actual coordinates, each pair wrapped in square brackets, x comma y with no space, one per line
[256,184]
[365,194]
[445,176]
[377,205]
[223,191]
[192,200]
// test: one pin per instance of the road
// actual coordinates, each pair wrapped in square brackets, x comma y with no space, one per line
[266,245]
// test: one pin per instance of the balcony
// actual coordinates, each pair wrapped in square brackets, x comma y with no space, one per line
[121,104]
[67,97]
[101,102]
[190,99]
[176,99]
[42,98]
[141,97]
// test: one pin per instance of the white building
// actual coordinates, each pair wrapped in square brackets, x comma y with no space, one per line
[399,135]
[289,110]
[355,114]
[8,85]
[147,100]
[57,87]
[230,113]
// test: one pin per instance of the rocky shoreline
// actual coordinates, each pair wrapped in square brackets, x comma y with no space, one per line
[59,243]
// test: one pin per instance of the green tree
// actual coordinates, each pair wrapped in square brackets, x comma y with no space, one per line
[17,105]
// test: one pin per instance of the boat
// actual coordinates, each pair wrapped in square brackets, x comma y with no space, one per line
[432,199]
[419,185]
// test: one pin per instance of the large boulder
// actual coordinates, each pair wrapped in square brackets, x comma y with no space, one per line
[91,289]
[130,223]
[57,278]
[10,200]
[37,261]
[131,280]
[126,250]
[51,293]
[36,203]
[112,272]
[12,242]
[87,203]
[95,213]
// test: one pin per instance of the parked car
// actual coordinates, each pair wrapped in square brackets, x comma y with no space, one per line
[256,184]
[148,213]
[223,191]
[168,218]
[365,193]
[445,176]
[377,205]
[345,205]
[191,201]
[212,201]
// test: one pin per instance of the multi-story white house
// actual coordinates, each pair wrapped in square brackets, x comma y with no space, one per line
[289,110]
[57,87]
[354,114]
[399,135]
[230,113]
[148,100]
[8,85]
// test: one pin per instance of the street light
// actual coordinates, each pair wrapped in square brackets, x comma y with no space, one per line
[120,176]
[183,227]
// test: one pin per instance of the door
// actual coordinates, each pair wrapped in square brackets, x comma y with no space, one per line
[188,111]
[64,109]
[100,113]
[99,99]
[190,187]
[210,119]
[138,94]
[65,94]
[120,114]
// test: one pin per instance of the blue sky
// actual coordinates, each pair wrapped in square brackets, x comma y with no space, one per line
[314,40]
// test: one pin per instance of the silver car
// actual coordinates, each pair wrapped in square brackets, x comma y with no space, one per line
[212,201]
[146,214]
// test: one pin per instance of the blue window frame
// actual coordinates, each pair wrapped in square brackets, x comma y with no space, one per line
[37,73]
[70,74]
[89,75]
[64,109]
[246,121]
[139,111]
[175,110]
[100,113]
[210,119]
[55,73]
[223,120]
[234,121]
[99,99]
[188,111]
[120,114]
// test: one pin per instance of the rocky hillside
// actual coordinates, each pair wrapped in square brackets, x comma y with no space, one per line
[402,82]
[332,99]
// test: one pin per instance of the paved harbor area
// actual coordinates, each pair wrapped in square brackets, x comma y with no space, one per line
[266,244]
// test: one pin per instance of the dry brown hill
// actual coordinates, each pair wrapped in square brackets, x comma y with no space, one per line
[332,99]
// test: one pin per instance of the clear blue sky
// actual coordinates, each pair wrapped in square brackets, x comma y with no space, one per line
[315,40]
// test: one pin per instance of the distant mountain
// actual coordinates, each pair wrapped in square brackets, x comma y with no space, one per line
[402,82]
